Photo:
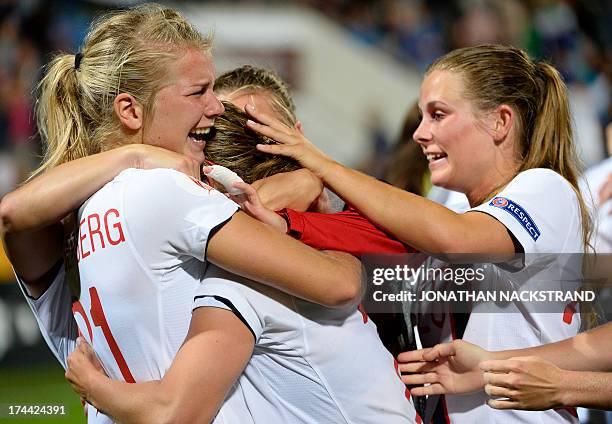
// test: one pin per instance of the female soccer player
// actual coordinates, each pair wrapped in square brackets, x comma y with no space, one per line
[172,215]
[495,126]
[299,358]
[145,76]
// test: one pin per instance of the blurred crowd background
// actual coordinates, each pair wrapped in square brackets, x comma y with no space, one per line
[574,35]
[404,35]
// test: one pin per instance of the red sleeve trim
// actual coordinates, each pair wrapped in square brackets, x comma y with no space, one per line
[295,222]
[346,231]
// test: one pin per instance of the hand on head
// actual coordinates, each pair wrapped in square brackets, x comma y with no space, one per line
[290,142]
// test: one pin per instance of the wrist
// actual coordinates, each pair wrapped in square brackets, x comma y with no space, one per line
[97,383]
[328,169]
[498,355]
[565,390]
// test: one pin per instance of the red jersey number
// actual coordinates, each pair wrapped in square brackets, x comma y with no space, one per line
[99,320]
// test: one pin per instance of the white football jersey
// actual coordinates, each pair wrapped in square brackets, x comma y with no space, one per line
[541,210]
[141,246]
[53,314]
[150,280]
[310,364]
[52,311]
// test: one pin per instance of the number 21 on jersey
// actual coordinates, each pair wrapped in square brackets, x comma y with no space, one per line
[99,320]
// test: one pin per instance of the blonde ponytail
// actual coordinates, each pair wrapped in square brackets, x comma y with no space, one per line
[59,118]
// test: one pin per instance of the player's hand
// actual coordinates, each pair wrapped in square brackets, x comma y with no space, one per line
[447,368]
[151,157]
[296,190]
[250,203]
[83,368]
[291,142]
[528,382]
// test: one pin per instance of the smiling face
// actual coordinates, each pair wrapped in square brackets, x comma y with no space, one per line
[186,107]
[462,153]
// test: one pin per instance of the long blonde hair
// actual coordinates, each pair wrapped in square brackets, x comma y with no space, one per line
[494,75]
[125,51]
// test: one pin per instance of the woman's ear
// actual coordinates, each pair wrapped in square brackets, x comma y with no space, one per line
[129,111]
[504,120]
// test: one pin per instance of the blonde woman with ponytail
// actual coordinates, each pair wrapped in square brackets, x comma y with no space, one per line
[140,92]
[495,126]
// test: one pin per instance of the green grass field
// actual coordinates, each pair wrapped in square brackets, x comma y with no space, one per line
[38,385]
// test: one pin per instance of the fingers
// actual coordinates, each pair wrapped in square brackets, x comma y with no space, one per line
[439,351]
[497,391]
[280,136]
[87,350]
[248,195]
[430,354]
[503,404]
[420,379]
[274,149]
[81,355]
[412,355]
[270,127]
[419,367]
[432,389]
[265,119]
[247,189]
[416,366]
[499,379]
[206,169]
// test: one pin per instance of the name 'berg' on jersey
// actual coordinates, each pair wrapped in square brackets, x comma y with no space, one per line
[142,246]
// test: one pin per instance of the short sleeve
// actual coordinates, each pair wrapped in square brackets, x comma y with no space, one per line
[168,210]
[541,210]
[53,313]
[346,231]
[226,294]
